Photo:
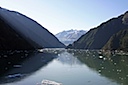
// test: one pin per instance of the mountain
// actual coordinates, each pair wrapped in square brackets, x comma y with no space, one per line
[97,37]
[118,41]
[25,29]
[69,36]
[10,40]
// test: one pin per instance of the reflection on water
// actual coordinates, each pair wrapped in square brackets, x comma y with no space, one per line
[20,64]
[69,67]
[113,66]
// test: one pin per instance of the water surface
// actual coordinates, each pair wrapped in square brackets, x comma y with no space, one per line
[69,67]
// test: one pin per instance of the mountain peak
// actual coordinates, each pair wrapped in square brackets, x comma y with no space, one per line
[69,36]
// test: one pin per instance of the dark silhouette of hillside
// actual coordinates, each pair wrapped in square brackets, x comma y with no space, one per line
[21,32]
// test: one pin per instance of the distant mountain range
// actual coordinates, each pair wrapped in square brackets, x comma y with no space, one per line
[69,36]
[110,35]
[20,32]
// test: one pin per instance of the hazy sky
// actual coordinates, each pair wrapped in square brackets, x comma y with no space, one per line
[59,15]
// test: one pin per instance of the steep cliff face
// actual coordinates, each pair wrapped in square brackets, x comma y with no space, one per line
[97,37]
[28,29]
[125,18]
[10,40]
[118,41]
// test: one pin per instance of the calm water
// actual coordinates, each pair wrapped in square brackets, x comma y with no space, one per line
[69,67]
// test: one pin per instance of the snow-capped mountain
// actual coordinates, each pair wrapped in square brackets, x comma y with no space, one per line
[69,36]
[29,29]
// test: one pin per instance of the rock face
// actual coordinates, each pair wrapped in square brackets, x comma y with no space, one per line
[97,37]
[125,18]
[69,36]
[10,40]
[26,30]
[118,41]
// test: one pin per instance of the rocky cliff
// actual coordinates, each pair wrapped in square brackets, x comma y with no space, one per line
[98,37]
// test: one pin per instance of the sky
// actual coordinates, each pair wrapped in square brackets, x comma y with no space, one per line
[60,15]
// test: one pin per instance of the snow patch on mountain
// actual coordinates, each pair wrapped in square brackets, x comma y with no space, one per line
[69,36]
